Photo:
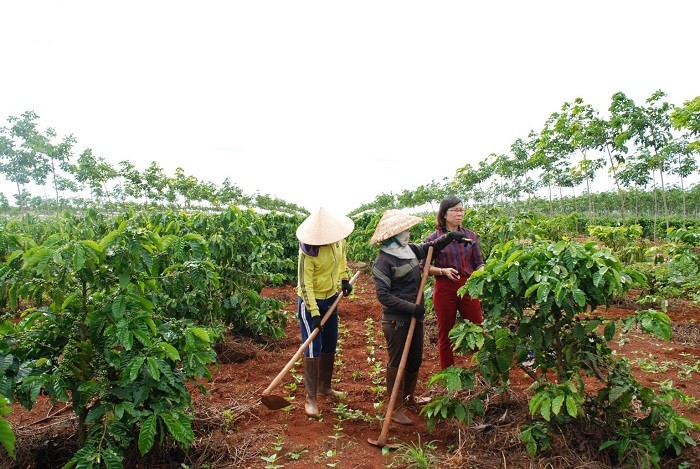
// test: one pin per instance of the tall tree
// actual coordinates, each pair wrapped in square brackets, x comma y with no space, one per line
[578,124]
[229,194]
[21,160]
[155,181]
[134,185]
[59,155]
[94,172]
[687,118]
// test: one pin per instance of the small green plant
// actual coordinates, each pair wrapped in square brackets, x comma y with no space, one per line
[229,419]
[650,365]
[415,455]
[296,455]
[273,458]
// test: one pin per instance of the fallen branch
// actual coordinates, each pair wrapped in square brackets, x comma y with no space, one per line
[43,419]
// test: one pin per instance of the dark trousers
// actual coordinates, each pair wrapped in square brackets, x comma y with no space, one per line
[395,333]
[327,340]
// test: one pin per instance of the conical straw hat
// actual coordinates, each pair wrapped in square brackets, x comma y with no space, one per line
[392,223]
[323,227]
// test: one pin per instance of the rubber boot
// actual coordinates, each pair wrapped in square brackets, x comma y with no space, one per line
[397,415]
[311,381]
[325,375]
[409,382]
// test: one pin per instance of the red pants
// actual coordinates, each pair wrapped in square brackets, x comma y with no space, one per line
[447,302]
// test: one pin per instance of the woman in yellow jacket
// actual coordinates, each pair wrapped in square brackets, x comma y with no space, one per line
[322,273]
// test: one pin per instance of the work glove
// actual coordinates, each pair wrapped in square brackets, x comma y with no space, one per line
[316,323]
[461,237]
[419,312]
[347,288]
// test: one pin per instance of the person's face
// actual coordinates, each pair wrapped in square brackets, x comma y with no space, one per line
[455,215]
[403,237]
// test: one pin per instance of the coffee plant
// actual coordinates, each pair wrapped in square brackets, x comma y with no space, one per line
[541,300]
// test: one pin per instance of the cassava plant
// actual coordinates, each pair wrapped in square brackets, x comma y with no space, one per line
[541,300]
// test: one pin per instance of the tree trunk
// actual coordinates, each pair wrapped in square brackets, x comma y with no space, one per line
[617,183]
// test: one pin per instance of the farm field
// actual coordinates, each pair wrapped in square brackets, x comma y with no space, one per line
[233,429]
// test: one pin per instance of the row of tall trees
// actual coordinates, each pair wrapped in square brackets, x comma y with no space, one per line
[647,148]
[636,146]
[30,155]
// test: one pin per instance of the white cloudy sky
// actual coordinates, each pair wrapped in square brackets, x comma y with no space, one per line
[326,102]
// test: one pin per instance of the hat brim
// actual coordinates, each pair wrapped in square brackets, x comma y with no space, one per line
[392,223]
[324,227]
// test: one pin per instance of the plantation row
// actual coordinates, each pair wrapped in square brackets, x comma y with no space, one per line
[116,315]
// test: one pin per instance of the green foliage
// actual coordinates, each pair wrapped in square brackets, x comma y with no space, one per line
[652,322]
[7,437]
[415,455]
[676,270]
[542,299]
[117,316]
[558,402]
[535,436]
[625,241]
[454,380]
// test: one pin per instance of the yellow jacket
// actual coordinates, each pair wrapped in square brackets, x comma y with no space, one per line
[318,277]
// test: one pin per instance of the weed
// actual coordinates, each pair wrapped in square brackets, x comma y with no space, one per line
[416,455]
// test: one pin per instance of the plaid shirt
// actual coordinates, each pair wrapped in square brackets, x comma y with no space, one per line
[465,259]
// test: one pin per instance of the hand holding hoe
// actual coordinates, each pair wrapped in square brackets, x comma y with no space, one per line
[273,402]
[381,441]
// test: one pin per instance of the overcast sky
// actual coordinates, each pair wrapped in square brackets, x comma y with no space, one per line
[324,102]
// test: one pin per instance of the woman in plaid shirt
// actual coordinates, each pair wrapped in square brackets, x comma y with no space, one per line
[452,267]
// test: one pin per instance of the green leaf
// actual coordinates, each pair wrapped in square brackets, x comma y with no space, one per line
[543,292]
[513,278]
[112,460]
[169,350]
[579,297]
[557,402]
[531,289]
[609,330]
[546,408]
[176,429]
[201,333]
[78,257]
[616,392]
[135,368]
[147,434]
[571,407]
[460,412]
[143,337]
[118,307]
[39,260]
[153,368]
[453,382]
[7,437]
[124,279]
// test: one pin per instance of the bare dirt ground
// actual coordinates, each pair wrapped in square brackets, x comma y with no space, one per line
[234,429]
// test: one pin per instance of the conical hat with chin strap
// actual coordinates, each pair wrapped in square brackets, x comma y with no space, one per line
[324,227]
[392,223]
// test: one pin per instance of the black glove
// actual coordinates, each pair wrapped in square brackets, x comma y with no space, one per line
[419,312]
[347,288]
[457,236]
[316,323]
